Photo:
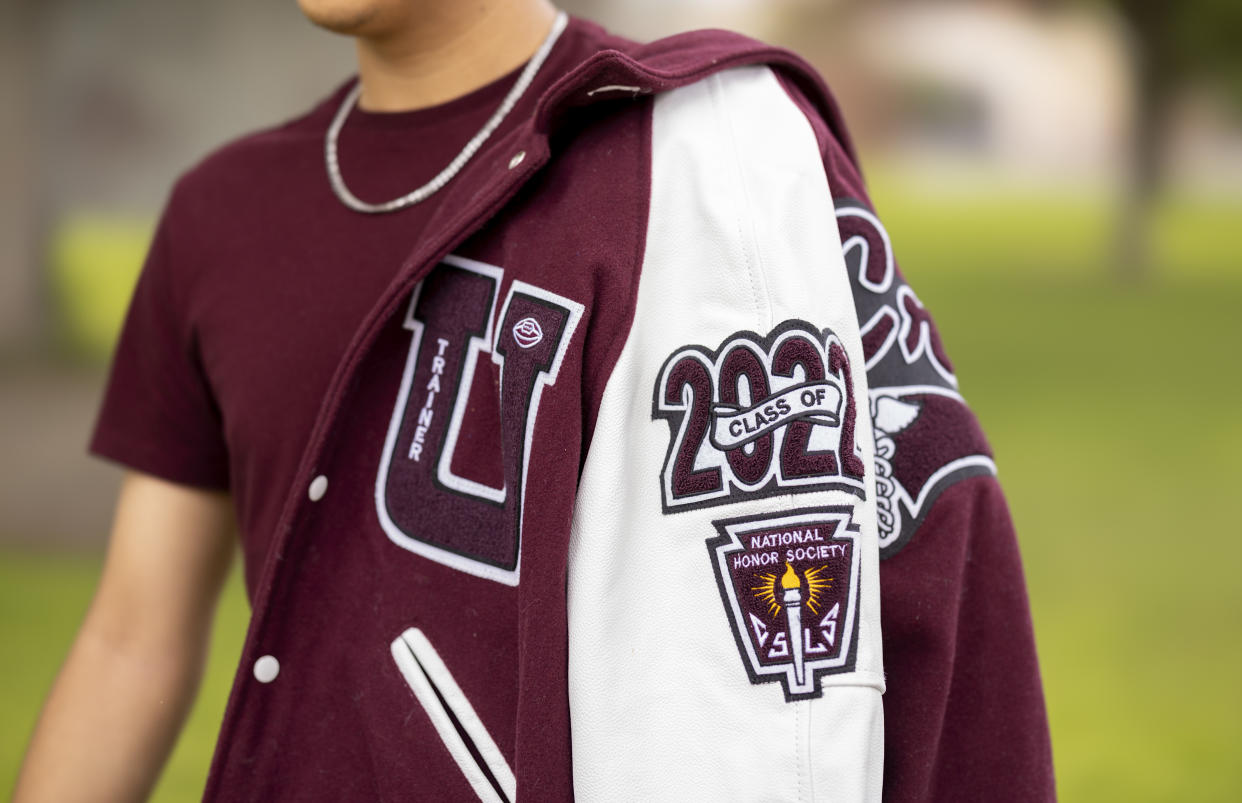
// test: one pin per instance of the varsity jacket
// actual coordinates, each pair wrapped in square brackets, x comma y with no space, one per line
[596,503]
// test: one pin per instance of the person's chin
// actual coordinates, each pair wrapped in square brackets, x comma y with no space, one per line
[349,17]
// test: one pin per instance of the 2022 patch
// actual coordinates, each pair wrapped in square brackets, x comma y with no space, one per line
[758,416]
[789,584]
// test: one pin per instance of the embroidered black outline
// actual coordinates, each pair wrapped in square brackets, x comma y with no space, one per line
[910,524]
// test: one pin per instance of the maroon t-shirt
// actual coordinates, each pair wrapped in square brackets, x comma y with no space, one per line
[257,278]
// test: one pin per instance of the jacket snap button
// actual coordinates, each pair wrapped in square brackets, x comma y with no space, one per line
[318,487]
[517,159]
[266,669]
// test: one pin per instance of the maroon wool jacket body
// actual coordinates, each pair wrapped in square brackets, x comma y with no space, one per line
[643,478]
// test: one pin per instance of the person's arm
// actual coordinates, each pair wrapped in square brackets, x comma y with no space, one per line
[123,693]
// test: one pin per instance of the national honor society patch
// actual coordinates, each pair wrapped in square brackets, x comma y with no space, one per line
[789,584]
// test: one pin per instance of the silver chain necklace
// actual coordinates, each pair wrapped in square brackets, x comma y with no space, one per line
[459,161]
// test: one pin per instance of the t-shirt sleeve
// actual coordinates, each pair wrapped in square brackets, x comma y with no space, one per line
[158,414]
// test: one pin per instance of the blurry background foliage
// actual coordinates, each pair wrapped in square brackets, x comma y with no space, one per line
[1063,186]
[92,264]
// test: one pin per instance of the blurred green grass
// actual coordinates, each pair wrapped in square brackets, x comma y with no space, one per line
[92,266]
[1110,408]
[43,598]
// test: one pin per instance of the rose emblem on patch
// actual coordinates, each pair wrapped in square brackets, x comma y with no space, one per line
[527,332]
[789,586]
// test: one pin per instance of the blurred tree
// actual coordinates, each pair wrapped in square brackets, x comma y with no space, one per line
[1175,44]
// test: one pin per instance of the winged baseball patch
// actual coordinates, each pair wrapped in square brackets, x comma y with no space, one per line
[926,438]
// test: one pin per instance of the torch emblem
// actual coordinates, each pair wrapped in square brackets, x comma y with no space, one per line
[789,585]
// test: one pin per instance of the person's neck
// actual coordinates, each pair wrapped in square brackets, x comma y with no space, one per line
[465,46]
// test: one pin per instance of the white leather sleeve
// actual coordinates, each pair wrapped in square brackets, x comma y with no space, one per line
[684,683]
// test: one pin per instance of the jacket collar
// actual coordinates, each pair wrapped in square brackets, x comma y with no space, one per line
[641,69]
